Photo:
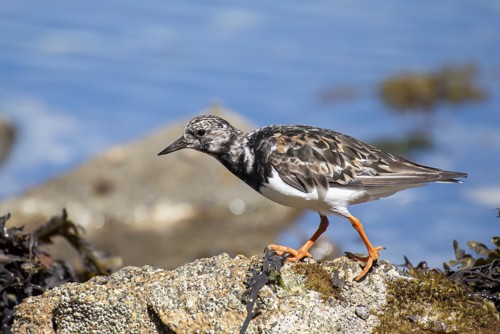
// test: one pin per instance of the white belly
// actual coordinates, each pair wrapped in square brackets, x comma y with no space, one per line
[335,200]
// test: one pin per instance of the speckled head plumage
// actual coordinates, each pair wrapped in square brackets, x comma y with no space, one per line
[206,133]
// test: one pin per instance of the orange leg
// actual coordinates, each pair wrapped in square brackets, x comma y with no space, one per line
[372,251]
[303,251]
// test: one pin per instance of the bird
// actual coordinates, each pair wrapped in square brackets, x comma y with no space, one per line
[310,168]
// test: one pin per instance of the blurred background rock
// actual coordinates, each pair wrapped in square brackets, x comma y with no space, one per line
[162,211]
[7,139]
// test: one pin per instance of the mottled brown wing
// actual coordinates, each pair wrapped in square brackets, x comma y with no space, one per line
[375,167]
[307,158]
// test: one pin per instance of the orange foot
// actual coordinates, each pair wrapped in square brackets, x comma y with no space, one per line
[296,255]
[303,251]
[368,260]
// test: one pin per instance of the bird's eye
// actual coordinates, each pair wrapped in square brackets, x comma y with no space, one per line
[200,132]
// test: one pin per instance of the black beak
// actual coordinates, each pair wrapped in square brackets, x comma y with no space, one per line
[179,144]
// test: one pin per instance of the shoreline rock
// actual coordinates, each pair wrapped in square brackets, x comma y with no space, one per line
[205,296]
[210,295]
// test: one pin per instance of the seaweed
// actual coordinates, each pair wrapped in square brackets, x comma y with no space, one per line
[268,272]
[482,274]
[431,303]
[27,270]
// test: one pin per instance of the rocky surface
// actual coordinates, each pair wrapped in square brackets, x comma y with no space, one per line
[206,296]
[162,211]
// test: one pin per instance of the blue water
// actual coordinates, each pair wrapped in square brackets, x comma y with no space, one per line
[78,78]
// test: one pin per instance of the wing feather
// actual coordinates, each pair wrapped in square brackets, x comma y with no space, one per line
[309,158]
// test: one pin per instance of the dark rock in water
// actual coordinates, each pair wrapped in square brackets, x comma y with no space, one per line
[161,211]
[7,139]
[420,92]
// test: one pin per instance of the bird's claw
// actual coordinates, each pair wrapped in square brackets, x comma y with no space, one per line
[368,260]
[295,255]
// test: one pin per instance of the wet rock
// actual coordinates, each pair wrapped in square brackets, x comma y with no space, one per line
[7,139]
[161,211]
[205,296]
[421,92]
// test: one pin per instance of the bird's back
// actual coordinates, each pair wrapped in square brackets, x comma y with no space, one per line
[307,157]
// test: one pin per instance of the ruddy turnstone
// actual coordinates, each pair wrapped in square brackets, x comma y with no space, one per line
[309,168]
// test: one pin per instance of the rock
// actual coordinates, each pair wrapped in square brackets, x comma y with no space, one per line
[362,311]
[7,139]
[205,296]
[161,211]
[210,295]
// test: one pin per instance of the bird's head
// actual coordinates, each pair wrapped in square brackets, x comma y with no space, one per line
[205,133]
